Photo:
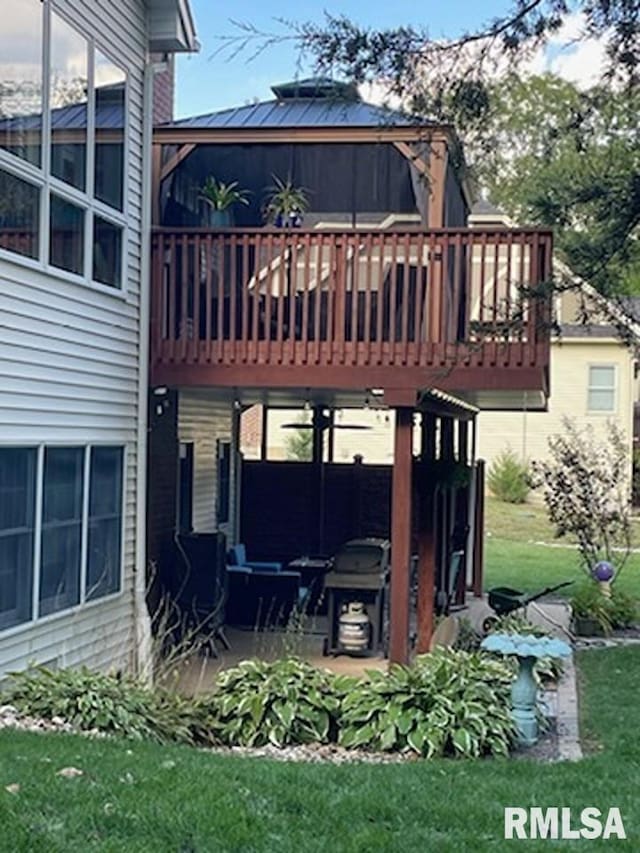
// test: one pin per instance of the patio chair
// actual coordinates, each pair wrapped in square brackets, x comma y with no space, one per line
[237,557]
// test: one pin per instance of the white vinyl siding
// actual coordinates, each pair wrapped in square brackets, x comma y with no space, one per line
[70,370]
[204,420]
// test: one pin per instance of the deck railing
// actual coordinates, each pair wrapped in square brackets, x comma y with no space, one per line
[353,297]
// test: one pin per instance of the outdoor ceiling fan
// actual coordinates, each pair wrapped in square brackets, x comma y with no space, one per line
[322,421]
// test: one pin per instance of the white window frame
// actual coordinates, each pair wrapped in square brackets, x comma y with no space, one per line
[590,388]
[83,603]
[41,177]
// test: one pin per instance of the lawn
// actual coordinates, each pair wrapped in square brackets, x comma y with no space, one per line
[512,558]
[140,797]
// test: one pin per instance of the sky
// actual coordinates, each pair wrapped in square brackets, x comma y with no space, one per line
[207,82]
[213,80]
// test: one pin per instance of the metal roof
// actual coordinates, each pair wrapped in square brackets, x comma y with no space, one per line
[307,103]
[303,112]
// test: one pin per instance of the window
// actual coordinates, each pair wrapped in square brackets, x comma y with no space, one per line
[17,520]
[66,242]
[19,215]
[61,529]
[21,79]
[105,522]
[61,518]
[70,163]
[601,395]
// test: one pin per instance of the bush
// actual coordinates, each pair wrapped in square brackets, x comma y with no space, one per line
[106,703]
[508,478]
[624,609]
[619,611]
[448,703]
[284,702]
[585,483]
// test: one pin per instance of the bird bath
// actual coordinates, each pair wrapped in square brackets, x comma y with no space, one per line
[528,649]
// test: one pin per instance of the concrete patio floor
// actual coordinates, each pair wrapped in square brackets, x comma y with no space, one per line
[198,673]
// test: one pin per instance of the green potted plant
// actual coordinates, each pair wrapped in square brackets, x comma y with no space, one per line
[220,199]
[590,612]
[285,203]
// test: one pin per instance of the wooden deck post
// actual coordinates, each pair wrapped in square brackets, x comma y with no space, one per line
[478,527]
[426,538]
[401,537]
[426,569]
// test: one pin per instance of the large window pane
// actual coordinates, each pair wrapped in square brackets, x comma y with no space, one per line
[105,522]
[17,511]
[68,87]
[107,252]
[21,78]
[110,87]
[19,215]
[61,528]
[66,250]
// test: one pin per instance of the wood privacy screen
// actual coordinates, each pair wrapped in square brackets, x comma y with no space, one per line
[357,298]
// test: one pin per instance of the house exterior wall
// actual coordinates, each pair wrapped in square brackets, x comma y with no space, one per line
[70,368]
[205,420]
[527,433]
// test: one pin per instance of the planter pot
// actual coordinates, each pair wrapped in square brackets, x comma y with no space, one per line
[585,626]
[218,218]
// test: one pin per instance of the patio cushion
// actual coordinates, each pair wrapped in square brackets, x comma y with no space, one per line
[237,556]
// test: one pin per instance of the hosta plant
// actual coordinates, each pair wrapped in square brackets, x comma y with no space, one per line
[448,703]
[106,703]
[285,702]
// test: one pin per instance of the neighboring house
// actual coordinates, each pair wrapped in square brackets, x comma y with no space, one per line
[593,369]
[384,293]
[76,100]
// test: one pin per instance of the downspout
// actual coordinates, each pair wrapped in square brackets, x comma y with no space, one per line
[143,657]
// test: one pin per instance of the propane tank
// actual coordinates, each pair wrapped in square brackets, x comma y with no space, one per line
[354,627]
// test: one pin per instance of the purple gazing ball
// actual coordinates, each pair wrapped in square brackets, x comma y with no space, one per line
[603,571]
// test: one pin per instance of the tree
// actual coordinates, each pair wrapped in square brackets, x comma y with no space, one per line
[589,189]
[568,159]
[299,443]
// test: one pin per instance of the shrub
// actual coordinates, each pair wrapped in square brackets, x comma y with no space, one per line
[586,492]
[508,478]
[106,703]
[284,702]
[448,703]
[619,611]
[624,609]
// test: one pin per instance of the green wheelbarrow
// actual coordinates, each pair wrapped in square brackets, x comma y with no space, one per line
[504,600]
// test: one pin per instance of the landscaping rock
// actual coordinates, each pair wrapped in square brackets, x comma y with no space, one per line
[11,717]
[316,754]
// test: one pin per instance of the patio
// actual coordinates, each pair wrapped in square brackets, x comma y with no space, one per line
[200,671]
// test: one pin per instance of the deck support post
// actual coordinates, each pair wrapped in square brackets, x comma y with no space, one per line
[426,539]
[401,537]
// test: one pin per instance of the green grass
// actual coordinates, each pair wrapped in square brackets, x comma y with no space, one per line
[141,797]
[511,558]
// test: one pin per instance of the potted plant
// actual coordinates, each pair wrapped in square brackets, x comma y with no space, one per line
[590,616]
[285,203]
[220,198]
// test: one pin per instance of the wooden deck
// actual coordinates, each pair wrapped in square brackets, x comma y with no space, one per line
[461,308]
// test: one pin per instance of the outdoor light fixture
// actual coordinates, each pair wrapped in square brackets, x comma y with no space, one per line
[160,391]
